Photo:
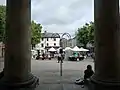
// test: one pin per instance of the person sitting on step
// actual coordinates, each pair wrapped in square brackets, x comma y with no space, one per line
[87,74]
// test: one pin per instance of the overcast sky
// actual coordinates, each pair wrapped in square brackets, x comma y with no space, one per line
[61,15]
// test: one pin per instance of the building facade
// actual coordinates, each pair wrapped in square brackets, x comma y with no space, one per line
[72,42]
[48,41]
[64,43]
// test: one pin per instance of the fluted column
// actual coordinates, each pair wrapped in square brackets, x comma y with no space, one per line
[17,65]
[107,44]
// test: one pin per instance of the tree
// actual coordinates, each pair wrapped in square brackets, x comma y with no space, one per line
[85,34]
[35,33]
[2,22]
[91,32]
[35,28]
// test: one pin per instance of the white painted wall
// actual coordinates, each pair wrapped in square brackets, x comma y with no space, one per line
[50,42]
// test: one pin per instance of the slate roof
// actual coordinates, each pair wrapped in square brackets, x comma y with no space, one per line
[50,35]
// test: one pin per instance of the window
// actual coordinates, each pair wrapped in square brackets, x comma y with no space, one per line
[42,39]
[42,51]
[47,44]
[54,39]
[54,44]
[47,39]
[42,45]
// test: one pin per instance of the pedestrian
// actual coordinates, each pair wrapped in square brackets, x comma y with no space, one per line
[43,56]
[59,57]
[88,72]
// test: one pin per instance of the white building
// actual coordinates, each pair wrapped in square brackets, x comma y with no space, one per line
[47,41]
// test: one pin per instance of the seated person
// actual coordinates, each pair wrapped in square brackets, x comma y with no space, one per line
[87,74]
[1,74]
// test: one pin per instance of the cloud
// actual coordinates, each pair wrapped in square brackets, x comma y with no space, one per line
[61,15]
[2,2]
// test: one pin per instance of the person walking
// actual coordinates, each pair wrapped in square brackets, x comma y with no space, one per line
[59,57]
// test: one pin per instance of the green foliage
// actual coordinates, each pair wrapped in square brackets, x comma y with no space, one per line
[36,32]
[2,22]
[35,28]
[86,34]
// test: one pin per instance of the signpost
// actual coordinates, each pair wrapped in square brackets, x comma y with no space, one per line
[61,67]
[61,50]
[61,61]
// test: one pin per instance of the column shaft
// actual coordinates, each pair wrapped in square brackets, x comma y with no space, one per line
[17,66]
[17,54]
[107,42]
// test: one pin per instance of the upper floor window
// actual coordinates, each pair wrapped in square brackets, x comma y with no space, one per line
[42,45]
[54,44]
[42,39]
[47,44]
[47,39]
[54,39]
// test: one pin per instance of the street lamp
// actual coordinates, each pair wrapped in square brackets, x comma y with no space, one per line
[61,48]
[61,51]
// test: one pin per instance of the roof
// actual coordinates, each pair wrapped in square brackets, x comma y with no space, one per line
[50,35]
[74,38]
[51,46]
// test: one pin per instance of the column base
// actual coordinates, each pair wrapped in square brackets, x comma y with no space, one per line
[96,84]
[1,74]
[30,83]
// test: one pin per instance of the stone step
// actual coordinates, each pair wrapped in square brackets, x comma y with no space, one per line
[60,87]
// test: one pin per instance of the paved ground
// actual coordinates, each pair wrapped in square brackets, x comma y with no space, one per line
[48,72]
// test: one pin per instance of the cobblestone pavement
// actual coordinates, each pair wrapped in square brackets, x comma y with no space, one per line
[48,72]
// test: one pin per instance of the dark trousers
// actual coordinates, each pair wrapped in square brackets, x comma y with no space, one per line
[59,59]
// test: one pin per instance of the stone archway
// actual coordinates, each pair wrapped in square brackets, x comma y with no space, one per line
[66,34]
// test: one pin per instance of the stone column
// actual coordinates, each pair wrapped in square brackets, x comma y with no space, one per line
[17,66]
[107,44]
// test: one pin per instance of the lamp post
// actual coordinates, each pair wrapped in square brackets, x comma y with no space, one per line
[61,45]
[61,48]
